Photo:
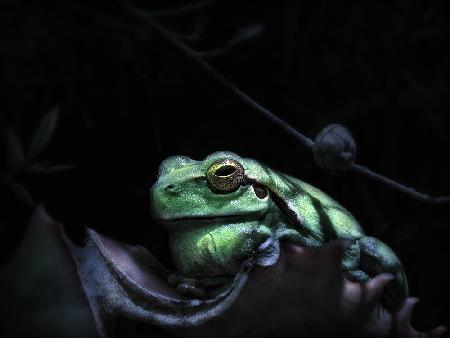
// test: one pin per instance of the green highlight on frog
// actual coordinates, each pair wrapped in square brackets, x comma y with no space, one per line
[219,211]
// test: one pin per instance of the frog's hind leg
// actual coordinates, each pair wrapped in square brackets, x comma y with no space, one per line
[375,258]
[351,266]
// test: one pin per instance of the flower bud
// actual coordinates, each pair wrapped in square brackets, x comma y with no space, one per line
[334,149]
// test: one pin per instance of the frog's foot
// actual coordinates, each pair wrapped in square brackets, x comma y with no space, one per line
[377,258]
[198,288]
[389,297]
[185,286]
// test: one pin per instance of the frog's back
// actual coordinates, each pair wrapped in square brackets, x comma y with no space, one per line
[318,214]
[323,214]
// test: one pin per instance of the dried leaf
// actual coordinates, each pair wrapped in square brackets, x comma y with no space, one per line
[16,158]
[43,133]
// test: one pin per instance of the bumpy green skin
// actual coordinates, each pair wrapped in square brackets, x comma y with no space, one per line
[212,233]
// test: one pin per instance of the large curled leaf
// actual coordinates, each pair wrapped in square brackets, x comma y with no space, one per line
[43,133]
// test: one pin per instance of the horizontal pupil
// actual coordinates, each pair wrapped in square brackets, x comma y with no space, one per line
[225,170]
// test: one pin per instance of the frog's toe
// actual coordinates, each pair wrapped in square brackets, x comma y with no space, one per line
[190,290]
[186,286]
[377,258]
[384,283]
[357,276]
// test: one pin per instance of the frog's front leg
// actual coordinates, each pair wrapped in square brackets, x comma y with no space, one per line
[370,257]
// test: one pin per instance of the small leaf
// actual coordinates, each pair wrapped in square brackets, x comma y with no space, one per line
[16,157]
[58,168]
[43,133]
[40,169]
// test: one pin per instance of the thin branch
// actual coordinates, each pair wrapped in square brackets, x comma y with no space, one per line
[400,187]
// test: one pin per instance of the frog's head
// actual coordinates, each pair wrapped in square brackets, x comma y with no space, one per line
[217,187]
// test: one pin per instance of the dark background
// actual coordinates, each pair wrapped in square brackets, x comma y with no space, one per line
[128,99]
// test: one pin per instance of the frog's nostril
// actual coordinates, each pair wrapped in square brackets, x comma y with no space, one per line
[172,189]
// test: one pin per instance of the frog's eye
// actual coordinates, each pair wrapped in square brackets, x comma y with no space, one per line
[225,175]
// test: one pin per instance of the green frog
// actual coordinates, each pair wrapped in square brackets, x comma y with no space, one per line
[223,210]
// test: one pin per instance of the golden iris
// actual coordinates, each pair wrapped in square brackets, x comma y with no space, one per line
[225,175]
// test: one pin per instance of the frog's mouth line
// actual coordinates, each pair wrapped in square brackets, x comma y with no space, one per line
[186,222]
[180,223]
